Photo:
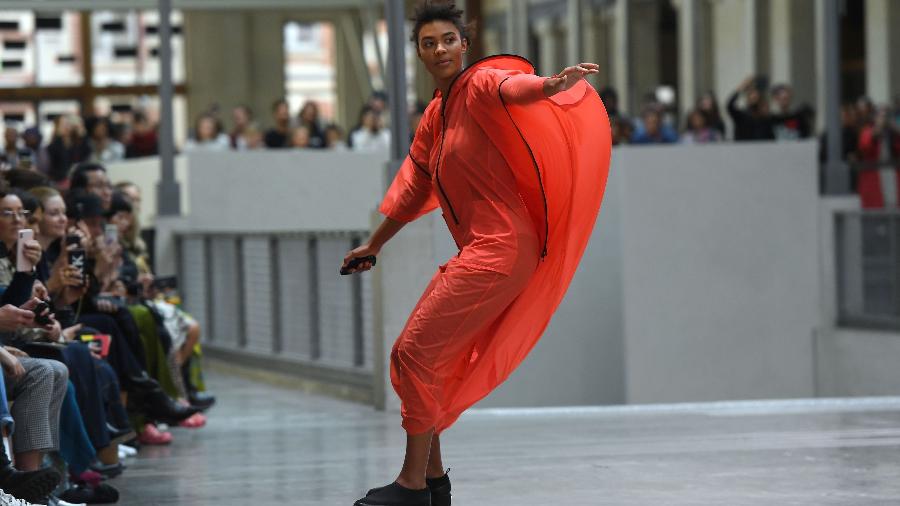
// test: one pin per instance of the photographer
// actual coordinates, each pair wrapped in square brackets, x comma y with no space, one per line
[754,122]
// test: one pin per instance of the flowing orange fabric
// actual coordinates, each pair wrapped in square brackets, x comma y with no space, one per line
[519,178]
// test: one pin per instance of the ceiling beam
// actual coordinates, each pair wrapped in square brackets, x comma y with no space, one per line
[212,5]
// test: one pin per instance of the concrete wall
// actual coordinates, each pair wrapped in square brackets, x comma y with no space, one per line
[720,273]
[853,363]
[144,172]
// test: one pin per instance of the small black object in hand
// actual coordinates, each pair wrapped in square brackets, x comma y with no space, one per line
[356,262]
[42,313]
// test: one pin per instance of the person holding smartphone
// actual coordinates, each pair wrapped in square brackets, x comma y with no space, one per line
[517,163]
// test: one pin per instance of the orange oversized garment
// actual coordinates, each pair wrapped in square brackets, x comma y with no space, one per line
[519,178]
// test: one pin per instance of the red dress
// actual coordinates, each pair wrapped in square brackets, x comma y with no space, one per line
[519,179]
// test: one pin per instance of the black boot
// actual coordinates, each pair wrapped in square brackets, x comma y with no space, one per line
[396,495]
[440,490]
[30,486]
[147,397]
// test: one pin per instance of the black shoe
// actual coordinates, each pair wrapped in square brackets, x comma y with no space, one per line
[160,407]
[118,436]
[440,490]
[108,471]
[101,494]
[32,486]
[201,400]
[395,495]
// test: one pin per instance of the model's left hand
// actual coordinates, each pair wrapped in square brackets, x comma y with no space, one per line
[568,78]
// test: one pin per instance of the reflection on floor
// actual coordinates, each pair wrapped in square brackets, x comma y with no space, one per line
[269,446]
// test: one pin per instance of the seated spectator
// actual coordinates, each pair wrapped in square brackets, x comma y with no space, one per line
[879,178]
[653,131]
[754,122]
[371,135]
[300,137]
[241,119]
[277,136]
[610,99]
[790,124]
[103,147]
[252,138]
[334,138]
[67,147]
[708,106]
[208,136]
[309,118]
[143,139]
[697,131]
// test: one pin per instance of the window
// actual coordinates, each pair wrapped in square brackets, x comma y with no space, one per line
[309,56]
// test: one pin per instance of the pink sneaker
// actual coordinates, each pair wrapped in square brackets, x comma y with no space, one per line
[92,478]
[194,421]
[153,436]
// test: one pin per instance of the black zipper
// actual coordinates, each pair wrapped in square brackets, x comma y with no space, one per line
[437,173]
[537,170]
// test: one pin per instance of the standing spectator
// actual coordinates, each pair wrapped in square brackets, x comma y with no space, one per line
[277,136]
[334,138]
[790,124]
[622,129]
[10,158]
[309,118]
[754,122]
[103,147]
[67,148]
[241,118]
[37,153]
[252,138]
[653,130]
[371,135]
[143,141]
[708,105]
[300,137]
[698,131]
[208,135]
[865,111]
[879,144]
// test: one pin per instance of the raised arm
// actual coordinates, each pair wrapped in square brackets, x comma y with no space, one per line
[524,88]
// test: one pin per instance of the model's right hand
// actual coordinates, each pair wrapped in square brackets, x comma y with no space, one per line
[362,251]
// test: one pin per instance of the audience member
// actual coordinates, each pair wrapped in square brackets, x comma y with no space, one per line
[208,135]
[9,159]
[371,135]
[708,105]
[67,147]
[277,136]
[754,122]
[37,154]
[789,123]
[334,138]
[698,131]
[653,131]
[879,150]
[103,147]
[309,118]
[144,140]
[300,137]
[242,120]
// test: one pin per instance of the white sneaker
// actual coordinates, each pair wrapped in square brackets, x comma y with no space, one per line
[8,500]
[126,451]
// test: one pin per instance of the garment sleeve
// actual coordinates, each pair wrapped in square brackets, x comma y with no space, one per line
[411,194]
[733,111]
[19,290]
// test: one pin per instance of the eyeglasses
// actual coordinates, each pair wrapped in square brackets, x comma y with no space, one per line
[8,214]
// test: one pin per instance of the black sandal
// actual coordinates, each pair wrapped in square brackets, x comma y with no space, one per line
[395,495]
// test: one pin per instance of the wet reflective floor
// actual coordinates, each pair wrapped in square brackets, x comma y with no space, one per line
[270,446]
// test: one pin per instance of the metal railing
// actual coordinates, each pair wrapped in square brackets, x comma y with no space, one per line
[868,268]
[275,302]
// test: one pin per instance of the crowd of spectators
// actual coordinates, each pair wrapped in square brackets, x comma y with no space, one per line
[96,354]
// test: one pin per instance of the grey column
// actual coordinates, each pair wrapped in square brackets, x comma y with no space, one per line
[882,50]
[837,177]
[396,85]
[168,193]
[574,33]
[517,34]
[622,54]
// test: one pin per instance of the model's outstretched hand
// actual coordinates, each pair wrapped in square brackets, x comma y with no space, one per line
[568,78]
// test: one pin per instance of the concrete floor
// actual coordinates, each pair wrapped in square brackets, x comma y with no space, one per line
[270,446]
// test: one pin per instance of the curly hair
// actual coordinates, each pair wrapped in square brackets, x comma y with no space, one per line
[431,11]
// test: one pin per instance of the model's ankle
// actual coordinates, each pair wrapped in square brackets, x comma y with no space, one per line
[412,484]
[432,474]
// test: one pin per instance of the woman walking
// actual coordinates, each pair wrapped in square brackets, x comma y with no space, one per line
[518,165]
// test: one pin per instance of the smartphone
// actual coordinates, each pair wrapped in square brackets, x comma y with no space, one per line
[111,234]
[73,239]
[77,259]
[22,265]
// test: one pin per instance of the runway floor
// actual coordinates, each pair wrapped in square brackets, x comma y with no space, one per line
[270,446]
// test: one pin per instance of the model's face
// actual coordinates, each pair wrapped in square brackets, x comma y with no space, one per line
[441,48]
[53,219]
